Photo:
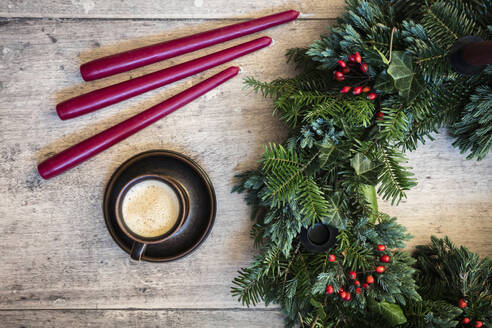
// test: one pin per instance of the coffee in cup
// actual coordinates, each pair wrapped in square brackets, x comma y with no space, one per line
[150,209]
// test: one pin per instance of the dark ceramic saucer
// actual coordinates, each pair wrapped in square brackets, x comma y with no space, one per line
[194,181]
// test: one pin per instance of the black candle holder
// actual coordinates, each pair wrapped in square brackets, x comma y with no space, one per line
[319,237]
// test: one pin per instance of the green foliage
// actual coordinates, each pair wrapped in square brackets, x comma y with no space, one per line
[394,178]
[342,149]
[355,110]
[252,282]
[474,131]
[418,35]
[394,123]
[287,181]
[392,312]
[434,314]
[446,274]
[404,78]
[451,273]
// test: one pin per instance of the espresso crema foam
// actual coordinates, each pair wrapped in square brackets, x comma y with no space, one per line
[150,208]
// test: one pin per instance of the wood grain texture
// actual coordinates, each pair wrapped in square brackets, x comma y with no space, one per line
[170,9]
[57,252]
[60,253]
[453,197]
[233,318]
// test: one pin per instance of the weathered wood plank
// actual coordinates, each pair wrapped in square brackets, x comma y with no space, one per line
[453,197]
[136,318]
[59,254]
[156,9]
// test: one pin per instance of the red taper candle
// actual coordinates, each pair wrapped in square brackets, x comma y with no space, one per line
[102,141]
[132,59]
[112,94]
[478,53]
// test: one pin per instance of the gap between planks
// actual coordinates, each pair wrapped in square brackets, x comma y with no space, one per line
[7,18]
[238,309]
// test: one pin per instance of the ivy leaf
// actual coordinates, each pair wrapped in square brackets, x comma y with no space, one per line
[370,195]
[326,149]
[364,168]
[391,312]
[361,164]
[335,215]
[401,71]
[384,83]
[418,86]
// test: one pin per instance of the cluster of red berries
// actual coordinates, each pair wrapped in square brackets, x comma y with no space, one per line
[384,258]
[345,295]
[354,60]
[463,304]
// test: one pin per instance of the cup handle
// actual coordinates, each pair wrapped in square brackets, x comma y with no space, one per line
[137,251]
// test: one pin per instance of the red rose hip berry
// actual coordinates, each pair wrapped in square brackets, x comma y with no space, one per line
[339,75]
[370,279]
[331,258]
[352,275]
[381,247]
[380,269]
[385,258]
[329,289]
[345,89]
[478,324]
[357,90]
[342,63]
[465,321]
[462,303]
[357,57]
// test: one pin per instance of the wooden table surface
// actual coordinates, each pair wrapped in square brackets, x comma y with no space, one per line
[60,266]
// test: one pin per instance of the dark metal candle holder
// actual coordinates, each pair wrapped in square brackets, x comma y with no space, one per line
[319,237]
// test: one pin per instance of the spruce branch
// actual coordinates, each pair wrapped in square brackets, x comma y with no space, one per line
[293,258]
[435,18]
[395,179]
[473,132]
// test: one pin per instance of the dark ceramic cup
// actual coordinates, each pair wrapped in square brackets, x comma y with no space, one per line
[140,242]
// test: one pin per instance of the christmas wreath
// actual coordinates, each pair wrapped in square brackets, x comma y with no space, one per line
[375,87]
